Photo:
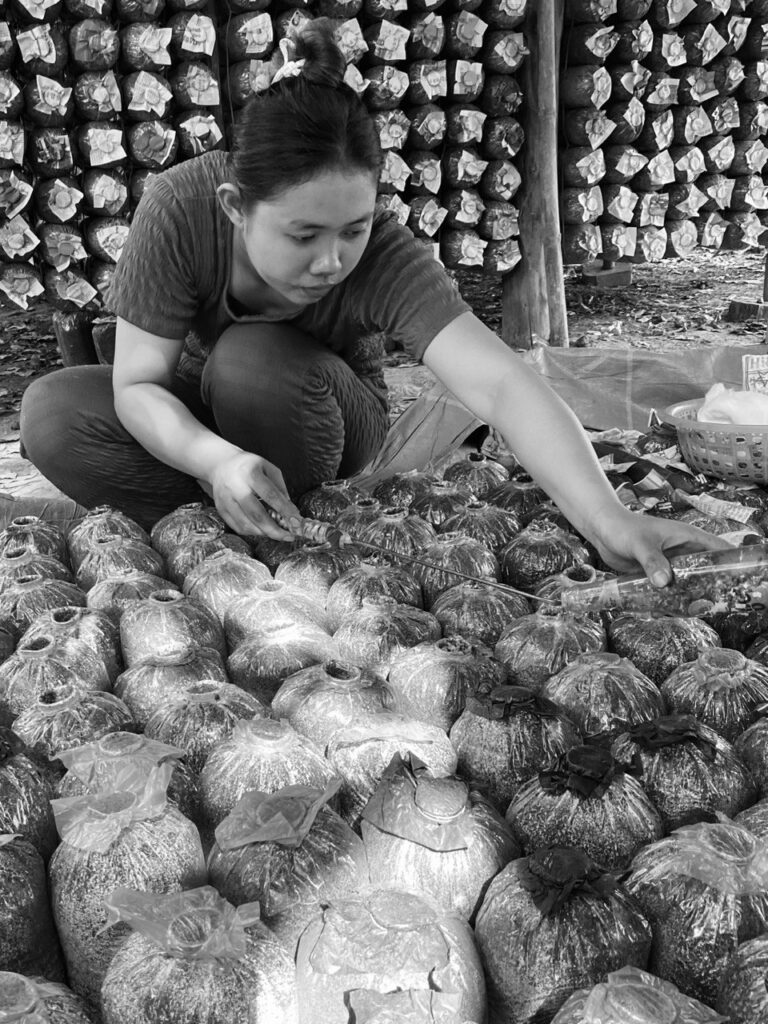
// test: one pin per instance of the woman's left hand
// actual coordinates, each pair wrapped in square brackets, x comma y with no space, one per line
[630,541]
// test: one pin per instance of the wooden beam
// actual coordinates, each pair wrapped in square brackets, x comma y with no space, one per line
[533,295]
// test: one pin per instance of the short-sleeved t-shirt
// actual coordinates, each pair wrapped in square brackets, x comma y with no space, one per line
[173,279]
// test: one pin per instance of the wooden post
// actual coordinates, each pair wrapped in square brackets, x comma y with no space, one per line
[533,296]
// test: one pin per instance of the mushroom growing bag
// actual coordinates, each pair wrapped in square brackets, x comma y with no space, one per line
[632,996]
[194,959]
[550,924]
[28,940]
[381,954]
[132,836]
[36,1001]
[290,852]
[434,836]
[704,889]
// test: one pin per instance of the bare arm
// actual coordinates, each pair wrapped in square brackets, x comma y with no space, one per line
[143,371]
[498,387]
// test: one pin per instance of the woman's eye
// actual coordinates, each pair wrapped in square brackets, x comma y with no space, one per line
[302,238]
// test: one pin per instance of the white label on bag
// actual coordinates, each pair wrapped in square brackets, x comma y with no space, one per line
[63,200]
[106,146]
[199,35]
[20,288]
[153,43]
[150,94]
[17,237]
[53,96]
[37,44]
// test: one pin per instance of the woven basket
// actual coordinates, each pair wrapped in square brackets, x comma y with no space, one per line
[728,451]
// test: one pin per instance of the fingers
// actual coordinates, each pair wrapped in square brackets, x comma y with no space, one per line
[269,485]
[653,552]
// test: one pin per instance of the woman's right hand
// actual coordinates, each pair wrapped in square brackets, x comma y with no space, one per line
[241,486]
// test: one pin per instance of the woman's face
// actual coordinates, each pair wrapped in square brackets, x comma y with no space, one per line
[312,236]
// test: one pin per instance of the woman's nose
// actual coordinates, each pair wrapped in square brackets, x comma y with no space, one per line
[327,262]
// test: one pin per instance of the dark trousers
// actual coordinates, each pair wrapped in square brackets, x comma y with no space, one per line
[267,388]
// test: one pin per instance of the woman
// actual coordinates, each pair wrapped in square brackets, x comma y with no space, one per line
[273,266]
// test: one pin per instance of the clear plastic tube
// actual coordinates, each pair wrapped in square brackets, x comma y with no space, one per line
[707,581]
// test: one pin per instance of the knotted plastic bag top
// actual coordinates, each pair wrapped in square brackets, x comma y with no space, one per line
[632,996]
[722,855]
[94,821]
[284,817]
[97,762]
[553,877]
[198,924]
[412,804]
[588,771]
[5,839]
[668,730]
[505,701]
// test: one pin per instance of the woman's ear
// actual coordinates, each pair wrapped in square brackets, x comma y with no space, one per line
[231,202]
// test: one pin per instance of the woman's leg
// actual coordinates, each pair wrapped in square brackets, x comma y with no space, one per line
[71,433]
[277,392]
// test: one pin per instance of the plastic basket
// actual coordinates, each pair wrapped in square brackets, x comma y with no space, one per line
[728,451]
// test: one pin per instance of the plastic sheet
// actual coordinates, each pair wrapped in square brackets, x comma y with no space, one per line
[585,800]
[505,738]
[28,940]
[434,836]
[689,772]
[604,694]
[223,577]
[550,924]
[382,943]
[631,995]
[704,889]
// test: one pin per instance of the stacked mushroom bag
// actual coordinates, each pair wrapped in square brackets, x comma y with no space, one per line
[95,98]
[665,112]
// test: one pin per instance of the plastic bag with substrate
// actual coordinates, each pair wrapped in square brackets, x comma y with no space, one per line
[550,924]
[28,940]
[132,836]
[743,992]
[37,1001]
[704,889]
[193,956]
[384,943]
[290,852]
[433,835]
[632,995]
[25,795]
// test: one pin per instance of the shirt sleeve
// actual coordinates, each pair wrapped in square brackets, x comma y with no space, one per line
[401,289]
[153,286]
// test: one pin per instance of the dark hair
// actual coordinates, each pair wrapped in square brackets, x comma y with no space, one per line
[304,124]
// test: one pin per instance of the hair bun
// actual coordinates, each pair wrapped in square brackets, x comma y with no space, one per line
[315,43]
